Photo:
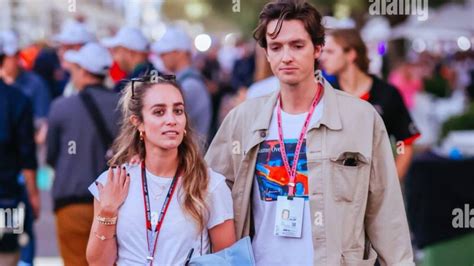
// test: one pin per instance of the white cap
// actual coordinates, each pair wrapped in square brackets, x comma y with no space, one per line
[10,43]
[74,32]
[128,37]
[92,57]
[174,39]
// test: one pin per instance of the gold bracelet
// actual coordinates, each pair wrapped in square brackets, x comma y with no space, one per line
[102,237]
[106,221]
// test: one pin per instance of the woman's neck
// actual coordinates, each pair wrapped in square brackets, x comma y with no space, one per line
[161,162]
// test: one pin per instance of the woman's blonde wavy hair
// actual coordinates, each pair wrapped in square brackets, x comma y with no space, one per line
[195,177]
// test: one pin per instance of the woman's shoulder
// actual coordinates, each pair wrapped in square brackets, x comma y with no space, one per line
[131,169]
[215,179]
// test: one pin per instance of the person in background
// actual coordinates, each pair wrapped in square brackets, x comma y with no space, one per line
[33,86]
[174,48]
[28,82]
[211,70]
[345,55]
[465,120]
[73,36]
[48,66]
[407,79]
[244,67]
[17,155]
[265,82]
[129,49]
[81,129]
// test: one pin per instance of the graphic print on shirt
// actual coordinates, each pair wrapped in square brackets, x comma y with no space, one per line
[271,174]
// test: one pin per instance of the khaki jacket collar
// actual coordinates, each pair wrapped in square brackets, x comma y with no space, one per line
[330,118]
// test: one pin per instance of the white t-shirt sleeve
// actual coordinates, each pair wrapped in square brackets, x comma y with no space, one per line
[220,200]
[93,187]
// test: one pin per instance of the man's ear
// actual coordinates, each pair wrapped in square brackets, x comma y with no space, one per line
[317,51]
[266,54]
[351,55]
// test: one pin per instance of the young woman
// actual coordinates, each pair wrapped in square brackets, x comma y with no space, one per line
[154,213]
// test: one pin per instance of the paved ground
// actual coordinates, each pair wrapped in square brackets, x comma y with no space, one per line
[46,246]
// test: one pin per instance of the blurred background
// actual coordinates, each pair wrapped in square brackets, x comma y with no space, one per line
[430,62]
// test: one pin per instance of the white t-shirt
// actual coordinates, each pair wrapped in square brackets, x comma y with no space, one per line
[268,248]
[179,233]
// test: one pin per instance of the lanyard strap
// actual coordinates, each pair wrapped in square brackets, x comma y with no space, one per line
[152,234]
[292,172]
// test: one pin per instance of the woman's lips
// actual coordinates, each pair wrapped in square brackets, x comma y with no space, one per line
[170,133]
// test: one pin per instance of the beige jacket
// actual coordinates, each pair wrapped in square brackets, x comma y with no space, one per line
[357,211]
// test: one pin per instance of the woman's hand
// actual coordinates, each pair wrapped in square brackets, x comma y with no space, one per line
[113,194]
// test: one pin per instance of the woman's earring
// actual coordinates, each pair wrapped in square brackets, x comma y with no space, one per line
[141,135]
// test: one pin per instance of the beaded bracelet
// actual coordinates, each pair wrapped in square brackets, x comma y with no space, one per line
[106,221]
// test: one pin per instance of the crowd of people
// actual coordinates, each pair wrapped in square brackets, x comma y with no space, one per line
[158,150]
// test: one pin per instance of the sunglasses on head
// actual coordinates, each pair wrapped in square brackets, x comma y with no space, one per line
[152,78]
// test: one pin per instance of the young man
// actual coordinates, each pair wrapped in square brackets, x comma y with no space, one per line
[17,155]
[37,91]
[76,148]
[174,49]
[342,195]
[73,36]
[129,48]
[345,55]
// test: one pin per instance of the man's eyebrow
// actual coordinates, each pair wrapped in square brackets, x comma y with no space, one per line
[291,41]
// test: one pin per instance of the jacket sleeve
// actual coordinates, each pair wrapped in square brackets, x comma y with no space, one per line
[385,219]
[220,155]
[25,138]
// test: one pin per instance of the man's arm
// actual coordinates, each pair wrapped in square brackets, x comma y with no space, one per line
[27,146]
[219,156]
[403,161]
[405,132]
[385,219]
[53,136]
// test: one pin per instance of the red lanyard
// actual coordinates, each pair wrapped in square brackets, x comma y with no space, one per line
[292,172]
[152,237]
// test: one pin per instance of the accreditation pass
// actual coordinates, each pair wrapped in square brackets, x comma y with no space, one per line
[289,217]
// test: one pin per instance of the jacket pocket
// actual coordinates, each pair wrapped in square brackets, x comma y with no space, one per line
[351,258]
[346,173]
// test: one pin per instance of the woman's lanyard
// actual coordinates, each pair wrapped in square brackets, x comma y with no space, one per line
[292,172]
[152,234]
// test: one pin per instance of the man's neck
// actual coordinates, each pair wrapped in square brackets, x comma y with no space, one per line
[182,65]
[11,77]
[89,83]
[136,61]
[354,81]
[161,162]
[297,99]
